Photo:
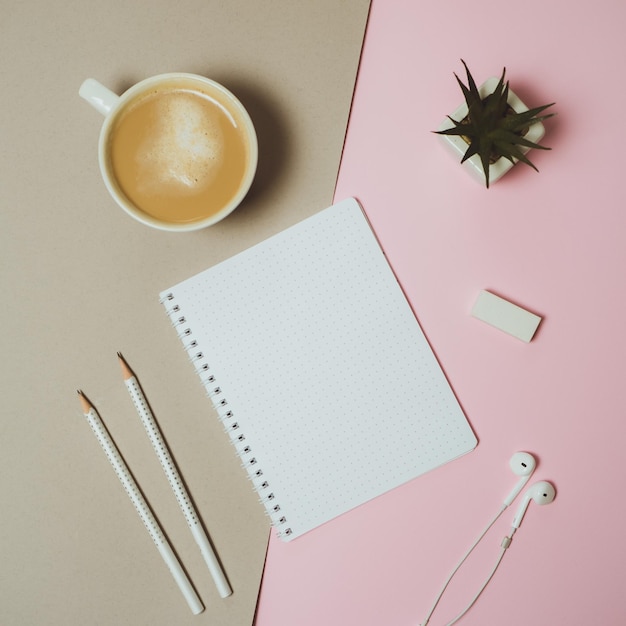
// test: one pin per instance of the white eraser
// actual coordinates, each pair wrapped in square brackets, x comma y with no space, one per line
[505,315]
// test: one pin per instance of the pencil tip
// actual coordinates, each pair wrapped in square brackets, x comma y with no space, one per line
[85,404]
[126,371]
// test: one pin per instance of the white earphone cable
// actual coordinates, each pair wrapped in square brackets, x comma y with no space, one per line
[506,542]
[460,563]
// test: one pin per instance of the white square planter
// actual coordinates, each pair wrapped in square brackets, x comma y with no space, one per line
[459,146]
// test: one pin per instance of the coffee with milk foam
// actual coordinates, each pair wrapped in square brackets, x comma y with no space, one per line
[178,152]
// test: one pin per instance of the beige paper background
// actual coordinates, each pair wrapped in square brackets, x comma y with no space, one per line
[80,281]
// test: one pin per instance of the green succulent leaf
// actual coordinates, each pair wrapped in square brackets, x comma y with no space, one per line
[485,160]
[496,104]
[472,95]
[491,127]
[470,152]
[519,121]
[513,152]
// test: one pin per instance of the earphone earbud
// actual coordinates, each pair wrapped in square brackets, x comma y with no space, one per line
[523,465]
[542,493]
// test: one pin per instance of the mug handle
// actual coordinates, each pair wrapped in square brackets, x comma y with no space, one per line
[99,97]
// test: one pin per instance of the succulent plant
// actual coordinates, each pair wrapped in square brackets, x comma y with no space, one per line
[491,128]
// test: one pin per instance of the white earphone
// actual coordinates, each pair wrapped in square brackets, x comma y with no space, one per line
[542,493]
[523,465]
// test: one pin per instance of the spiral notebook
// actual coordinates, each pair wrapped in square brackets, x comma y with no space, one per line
[318,369]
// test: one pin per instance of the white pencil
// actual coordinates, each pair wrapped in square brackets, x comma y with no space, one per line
[175,480]
[150,522]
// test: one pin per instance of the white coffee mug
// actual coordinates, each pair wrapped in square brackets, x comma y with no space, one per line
[177,151]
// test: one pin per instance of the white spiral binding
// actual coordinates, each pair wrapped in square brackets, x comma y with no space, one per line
[226,416]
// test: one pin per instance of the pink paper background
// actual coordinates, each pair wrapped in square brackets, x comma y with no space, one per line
[553,242]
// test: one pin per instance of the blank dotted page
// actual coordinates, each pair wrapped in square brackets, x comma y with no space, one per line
[319,370]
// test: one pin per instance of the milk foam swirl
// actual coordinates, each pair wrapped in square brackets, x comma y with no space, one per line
[186,147]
